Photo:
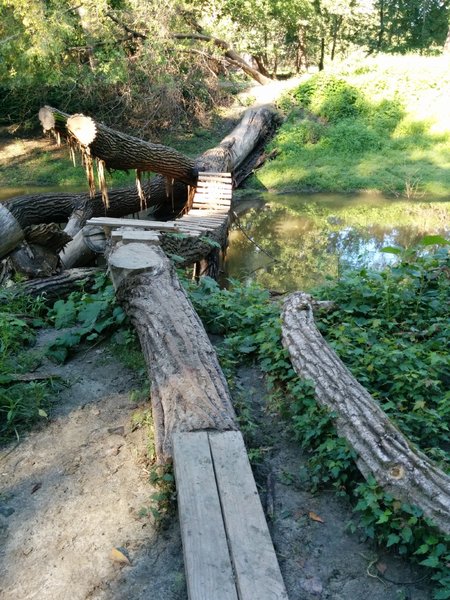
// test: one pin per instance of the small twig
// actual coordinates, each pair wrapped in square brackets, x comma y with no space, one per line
[238,223]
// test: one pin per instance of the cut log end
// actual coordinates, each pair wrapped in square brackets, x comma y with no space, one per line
[47,118]
[131,259]
[82,128]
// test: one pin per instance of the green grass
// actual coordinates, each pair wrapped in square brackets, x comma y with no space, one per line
[381,124]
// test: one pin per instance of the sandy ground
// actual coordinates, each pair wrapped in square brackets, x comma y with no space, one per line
[74,489]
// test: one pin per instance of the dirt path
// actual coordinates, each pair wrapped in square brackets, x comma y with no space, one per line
[75,489]
[78,487]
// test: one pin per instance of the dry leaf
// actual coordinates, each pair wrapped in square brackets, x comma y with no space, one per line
[118,555]
[314,517]
[381,567]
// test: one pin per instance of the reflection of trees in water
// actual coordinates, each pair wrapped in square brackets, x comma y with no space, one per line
[298,245]
[309,248]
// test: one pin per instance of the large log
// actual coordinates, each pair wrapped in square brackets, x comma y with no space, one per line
[11,231]
[121,151]
[33,209]
[233,57]
[188,389]
[253,131]
[52,288]
[382,450]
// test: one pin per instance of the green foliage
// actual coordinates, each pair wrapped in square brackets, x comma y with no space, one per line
[21,403]
[85,317]
[163,501]
[381,128]
[82,59]
[391,329]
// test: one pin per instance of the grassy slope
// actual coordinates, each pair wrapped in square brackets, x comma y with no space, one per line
[386,128]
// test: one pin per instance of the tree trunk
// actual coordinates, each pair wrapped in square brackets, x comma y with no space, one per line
[381,26]
[229,53]
[249,136]
[52,288]
[446,49]
[12,233]
[188,389]
[121,151]
[381,449]
[58,207]
[322,54]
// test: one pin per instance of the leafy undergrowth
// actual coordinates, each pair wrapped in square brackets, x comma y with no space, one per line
[391,328]
[84,318]
[21,402]
[379,125]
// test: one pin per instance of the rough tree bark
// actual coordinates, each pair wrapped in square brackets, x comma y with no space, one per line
[189,391]
[52,288]
[34,209]
[251,133]
[381,449]
[121,151]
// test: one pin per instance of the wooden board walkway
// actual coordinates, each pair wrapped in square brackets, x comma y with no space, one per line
[210,209]
[227,547]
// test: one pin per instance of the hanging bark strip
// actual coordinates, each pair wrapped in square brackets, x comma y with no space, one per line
[382,450]
[189,391]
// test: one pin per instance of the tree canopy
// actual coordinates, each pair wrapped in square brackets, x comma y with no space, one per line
[151,66]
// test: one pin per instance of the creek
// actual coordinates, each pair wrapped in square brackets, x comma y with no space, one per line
[295,242]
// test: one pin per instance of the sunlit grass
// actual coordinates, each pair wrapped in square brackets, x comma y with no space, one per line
[383,125]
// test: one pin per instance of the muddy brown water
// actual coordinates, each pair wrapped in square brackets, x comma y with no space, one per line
[297,241]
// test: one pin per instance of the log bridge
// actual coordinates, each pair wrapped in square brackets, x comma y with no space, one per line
[228,551]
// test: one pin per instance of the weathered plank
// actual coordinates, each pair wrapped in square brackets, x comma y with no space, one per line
[207,562]
[134,223]
[255,564]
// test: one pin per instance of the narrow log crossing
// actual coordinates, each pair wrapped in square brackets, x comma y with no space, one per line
[228,551]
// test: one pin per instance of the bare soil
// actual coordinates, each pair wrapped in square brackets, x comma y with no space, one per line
[77,487]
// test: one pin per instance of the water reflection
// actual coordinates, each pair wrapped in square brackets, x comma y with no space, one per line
[296,242]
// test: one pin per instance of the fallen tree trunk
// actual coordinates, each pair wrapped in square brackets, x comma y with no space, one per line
[12,233]
[188,389]
[52,288]
[119,150]
[382,450]
[233,57]
[58,207]
[255,128]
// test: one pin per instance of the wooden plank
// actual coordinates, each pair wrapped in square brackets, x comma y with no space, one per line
[255,564]
[224,174]
[206,198]
[134,223]
[205,221]
[207,562]
[207,191]
[214,185]
[149,237]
